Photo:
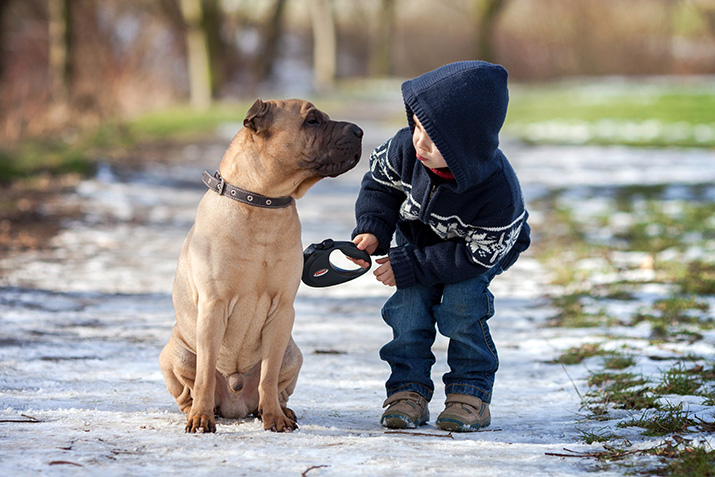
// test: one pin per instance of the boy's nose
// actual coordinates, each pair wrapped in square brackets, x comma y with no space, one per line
[422,143]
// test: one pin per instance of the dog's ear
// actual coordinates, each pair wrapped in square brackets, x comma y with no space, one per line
[258,117]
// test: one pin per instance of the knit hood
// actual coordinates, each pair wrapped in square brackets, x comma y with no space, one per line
[462,107]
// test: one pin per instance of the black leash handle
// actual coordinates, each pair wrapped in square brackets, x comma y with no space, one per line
[319,272]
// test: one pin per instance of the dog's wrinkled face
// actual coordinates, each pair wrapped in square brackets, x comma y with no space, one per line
[326,148]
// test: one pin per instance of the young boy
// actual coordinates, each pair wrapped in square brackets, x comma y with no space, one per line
[454,204]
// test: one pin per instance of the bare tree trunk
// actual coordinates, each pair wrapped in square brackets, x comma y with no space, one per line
[197,55]
[271,37]
[324,44]
[3,8]
[488,12]
[60,47]
[219,51]
[381,54]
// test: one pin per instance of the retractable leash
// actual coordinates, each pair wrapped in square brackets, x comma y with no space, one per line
[319,272]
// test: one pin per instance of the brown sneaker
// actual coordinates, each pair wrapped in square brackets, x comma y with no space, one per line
[407,410]
[464,413]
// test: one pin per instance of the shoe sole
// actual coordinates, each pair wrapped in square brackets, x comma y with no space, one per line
[396,421]
[457,426]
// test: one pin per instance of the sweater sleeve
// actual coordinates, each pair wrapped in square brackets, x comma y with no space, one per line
[381,193]
[479,250]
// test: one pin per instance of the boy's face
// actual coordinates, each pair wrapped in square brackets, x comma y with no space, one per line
[427,152]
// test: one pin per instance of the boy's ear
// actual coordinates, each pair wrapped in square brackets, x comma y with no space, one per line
[257,119]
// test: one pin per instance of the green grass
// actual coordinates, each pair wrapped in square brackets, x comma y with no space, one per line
[577,354]
[603,434]
[679,380]
[691,462]
[618,362]
[184,122]
[669,419]
[635,113]
[592,102]
[696,278]
[58,155]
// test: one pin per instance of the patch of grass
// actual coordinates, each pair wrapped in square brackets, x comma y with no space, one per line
[599,379]
[572,313]
[577,354]
[633,399]
[616,291]
[603,434]
[631,113]
[628,101]
[662,225]
[675,309]
[77,152]
[698,279]
[679,380]
[677,318]
[690,461]
[185,121]
[618,361]
[623,390]
[44,156]
[669,419]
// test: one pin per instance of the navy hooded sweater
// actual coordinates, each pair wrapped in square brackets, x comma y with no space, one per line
[447,231]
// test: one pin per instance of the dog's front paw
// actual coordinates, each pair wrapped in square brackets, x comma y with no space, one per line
[200,423]
[279,422]
[290,414]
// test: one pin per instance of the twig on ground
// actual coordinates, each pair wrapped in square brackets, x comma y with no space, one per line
[65,462]
[609,452]
[311,468]
[449,435]
[436,435]
[29,419]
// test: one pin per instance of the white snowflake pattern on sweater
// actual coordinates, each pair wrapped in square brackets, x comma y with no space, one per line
[487,245]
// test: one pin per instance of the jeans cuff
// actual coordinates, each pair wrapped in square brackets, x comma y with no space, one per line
[418,388]
[484,395]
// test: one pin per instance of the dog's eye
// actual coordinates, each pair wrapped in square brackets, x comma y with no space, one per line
[313,120]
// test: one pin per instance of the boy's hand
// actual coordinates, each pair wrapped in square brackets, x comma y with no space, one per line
[384,273]
[367,242]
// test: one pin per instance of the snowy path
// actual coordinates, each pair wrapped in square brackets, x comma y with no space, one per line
[82,325]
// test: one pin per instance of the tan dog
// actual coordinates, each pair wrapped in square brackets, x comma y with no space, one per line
[231,352]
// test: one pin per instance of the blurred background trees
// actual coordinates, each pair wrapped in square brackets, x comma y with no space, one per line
[80,62]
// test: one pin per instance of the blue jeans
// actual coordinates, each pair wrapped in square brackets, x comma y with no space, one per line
[460,311]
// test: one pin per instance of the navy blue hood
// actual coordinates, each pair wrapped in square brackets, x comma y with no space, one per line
[462,107]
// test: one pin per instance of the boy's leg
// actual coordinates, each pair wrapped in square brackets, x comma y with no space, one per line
[472,357]
[409,314]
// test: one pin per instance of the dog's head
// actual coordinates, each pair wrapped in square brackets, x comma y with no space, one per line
[324,147]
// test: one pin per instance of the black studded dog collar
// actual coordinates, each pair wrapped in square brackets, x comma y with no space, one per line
[216,183]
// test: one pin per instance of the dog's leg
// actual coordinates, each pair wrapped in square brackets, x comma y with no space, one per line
[292,362]
[275,339]
[210,329]
[178,365]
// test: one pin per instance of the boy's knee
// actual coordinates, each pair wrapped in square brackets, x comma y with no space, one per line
[462,312]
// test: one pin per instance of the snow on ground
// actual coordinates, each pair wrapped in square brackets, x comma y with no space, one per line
[82,325]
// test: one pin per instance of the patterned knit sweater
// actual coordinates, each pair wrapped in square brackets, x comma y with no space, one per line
[447,231]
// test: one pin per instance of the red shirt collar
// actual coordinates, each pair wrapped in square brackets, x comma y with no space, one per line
[444,173]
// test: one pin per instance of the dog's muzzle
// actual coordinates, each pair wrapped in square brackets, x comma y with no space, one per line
[343,156]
